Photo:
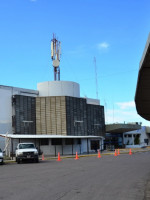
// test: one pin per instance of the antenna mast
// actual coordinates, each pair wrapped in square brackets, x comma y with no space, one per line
[96,77]
[55,56]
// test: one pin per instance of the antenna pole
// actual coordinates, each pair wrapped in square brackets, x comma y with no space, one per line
[55,56]
[96,77]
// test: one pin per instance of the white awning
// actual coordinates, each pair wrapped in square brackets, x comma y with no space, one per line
[13,136]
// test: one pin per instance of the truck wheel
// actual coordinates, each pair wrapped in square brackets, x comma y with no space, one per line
[37,160]
[18,160]
[1,163]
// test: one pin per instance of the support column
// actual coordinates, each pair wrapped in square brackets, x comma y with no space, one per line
[72,146]
[62,147]
[39,146]
[80,146]
[87,145]
[132,139]
[12,149]
[55,150]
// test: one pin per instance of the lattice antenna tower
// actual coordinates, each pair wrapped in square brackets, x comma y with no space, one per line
[96,77]
[55,56]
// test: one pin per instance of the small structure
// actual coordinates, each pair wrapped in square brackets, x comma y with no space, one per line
[114,134]
[137,138]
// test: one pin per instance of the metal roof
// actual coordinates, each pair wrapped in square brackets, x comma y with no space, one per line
[142,97]
[13,136]
[121,128]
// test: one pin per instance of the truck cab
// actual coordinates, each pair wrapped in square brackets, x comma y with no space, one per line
[26,151]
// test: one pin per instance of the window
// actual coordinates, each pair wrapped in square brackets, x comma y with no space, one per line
[78,141]
[26,146]
[57,141]
[44,141]
[69,141]
[94,144]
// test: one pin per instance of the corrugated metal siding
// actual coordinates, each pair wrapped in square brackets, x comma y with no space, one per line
[76,116]
[38,116]
[24,111]
[58,115]
[95,120]
[51,115]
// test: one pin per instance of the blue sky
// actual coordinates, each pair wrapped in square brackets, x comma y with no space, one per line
[113,31]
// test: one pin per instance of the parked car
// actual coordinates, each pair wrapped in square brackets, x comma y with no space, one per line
[26,151]
[1,157]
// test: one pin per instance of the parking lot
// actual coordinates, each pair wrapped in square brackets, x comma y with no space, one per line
[125,177]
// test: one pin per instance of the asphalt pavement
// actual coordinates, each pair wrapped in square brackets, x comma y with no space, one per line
[124,177]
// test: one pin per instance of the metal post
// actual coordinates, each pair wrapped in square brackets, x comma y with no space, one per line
[72,146]
[12,149]
[132,139]
[87,146]
[58,74]
[62,148]
[39,146]
[80,148]
[55,150]
[55,74]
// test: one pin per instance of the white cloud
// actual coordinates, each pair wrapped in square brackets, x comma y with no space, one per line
[126,105]
[103,45]
[125,112]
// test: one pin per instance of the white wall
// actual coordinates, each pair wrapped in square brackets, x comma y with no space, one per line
[93,101]
[141,132]
[59,88]
[67,149]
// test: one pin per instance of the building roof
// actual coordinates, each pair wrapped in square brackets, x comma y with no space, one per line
[142,97]
[121,128]
[22,91]
[13,136]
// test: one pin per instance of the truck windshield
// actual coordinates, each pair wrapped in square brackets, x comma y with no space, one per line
[26,146]
[0,151]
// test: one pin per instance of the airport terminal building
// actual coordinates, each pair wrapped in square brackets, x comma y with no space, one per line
[54,117]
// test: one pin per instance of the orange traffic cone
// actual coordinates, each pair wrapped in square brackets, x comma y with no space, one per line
[130,152]
[115,153]
[76,158]
[43,157]
[99,155]
[59,157]
[118,152]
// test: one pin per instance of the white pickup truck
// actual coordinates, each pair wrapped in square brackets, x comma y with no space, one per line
[1,157]
[26,151]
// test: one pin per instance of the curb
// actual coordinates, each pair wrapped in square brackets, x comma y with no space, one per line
[82,156]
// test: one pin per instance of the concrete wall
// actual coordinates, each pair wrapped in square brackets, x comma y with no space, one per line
[59,88]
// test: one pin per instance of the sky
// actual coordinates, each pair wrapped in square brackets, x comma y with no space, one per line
[112,31]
